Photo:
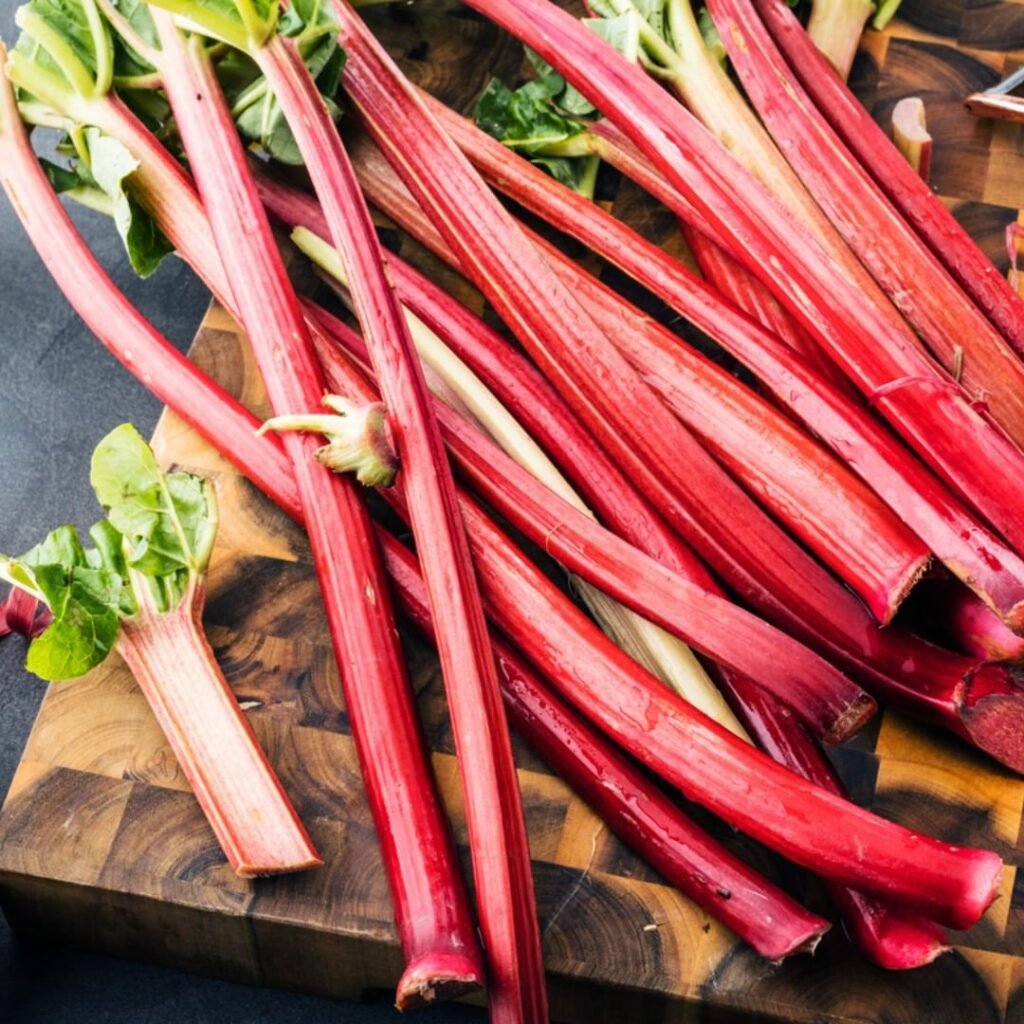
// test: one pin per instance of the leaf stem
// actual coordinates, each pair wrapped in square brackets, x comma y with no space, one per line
[74,70]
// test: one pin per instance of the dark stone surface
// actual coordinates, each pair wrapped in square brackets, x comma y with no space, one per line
[59,393]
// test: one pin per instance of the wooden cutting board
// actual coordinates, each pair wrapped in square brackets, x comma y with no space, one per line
[102,845]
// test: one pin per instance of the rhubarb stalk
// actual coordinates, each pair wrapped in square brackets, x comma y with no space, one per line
[271,470]
[639,812]
[140,591]
[836,26]
[658,651]
[494,812]
[925,680]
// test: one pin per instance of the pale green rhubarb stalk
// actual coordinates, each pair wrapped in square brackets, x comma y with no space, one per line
[658,651]
[497,830]
[139,592]
[431,908]
[836,27]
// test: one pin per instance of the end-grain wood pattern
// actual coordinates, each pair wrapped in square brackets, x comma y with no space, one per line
[102,844]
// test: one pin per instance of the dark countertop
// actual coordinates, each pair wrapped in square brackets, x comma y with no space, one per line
[59,393]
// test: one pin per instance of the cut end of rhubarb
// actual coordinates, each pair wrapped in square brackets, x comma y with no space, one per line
[858,713]
[806,942]
[436,978]
[992,713]
[980,890]
[284,867]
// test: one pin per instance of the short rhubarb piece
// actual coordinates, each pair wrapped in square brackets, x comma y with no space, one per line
[139,591]
[910,133]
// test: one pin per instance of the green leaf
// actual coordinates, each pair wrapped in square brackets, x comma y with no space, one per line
[622,32]
[168,520]
[82,632]
[258,115]
[110,167]
[62,179]
[84,600]
[159,525]
[712,39]
[524,119]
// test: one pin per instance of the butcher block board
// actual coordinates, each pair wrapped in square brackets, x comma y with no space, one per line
[103,846]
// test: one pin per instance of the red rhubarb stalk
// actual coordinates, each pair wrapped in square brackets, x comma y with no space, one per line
[709,765]
[821,502]
[915,200]
[22,613]
[637,811]
[886,933]
[640,812]
[431,909]
[172,662]
[944,608]
[933,413]
[692,491]
[518,596]
[957,332]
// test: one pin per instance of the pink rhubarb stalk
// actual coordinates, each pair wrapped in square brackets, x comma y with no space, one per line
[175,668]
[957,538]
[915,200]
[709,765]
[689,487]
[887,934]
[826,700]
[211,737]
[431,909]
[803,485]
[957,332]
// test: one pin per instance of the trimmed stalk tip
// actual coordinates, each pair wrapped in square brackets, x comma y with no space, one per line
[359,440]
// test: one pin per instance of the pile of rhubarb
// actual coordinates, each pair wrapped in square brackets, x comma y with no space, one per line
[767,536]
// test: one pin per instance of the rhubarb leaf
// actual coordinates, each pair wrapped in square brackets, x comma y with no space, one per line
[159,525]
[257,113]
[622,32]
[84,601]
[110,167]
[168,519]
[84,626]
[524,119]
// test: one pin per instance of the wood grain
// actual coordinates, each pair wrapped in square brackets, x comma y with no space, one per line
[102,844]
